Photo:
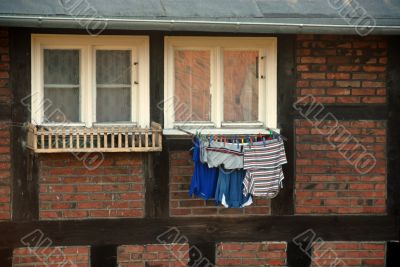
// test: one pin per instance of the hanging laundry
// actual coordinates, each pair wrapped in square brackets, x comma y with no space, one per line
[229,189]
[224,154]
[263,165]
[234,170]
[204,179]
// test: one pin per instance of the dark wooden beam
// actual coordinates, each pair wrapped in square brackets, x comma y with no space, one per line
[392,254]
[283,204]
[393,130]
[182,143]
[5,111]
[352,112]
[298,254]
[157,77]
[24,177]
[157,174]
[157,184]
[6,255]
[201,254]
[103,256]
[145,231]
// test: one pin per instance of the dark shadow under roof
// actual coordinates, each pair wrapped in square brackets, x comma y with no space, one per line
[290,16]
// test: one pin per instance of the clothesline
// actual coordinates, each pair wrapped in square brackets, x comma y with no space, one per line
[231,136]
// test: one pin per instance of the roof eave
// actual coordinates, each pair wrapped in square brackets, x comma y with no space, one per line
[97,25]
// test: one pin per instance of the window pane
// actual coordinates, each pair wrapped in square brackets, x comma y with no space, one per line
[61,85]
[64,105]
[113,79]
[192,86]
[113,67]
[61,66]
[113,104]
[240,86]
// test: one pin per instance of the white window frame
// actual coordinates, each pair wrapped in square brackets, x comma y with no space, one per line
[87,45]
[267,105]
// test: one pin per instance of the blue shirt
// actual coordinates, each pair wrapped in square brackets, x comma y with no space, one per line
[204,179]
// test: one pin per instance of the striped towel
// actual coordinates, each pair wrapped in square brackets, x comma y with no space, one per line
[263,182]
[263,163]
[269,156]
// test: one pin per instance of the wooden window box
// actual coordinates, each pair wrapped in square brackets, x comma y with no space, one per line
[59,139]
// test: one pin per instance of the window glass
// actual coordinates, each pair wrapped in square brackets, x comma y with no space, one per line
[192,85]
[113,84]
[240,85]
[61,85]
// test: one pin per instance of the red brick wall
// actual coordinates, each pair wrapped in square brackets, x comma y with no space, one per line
[326,183]
[5,100]
[153,255]
[5,172]
[348,254]
[251,254]
[68,190]
[342,69]
[181,170]
[74,256]
[5,92]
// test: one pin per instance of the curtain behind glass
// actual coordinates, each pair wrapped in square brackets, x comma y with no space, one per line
[61,85]
[113,84]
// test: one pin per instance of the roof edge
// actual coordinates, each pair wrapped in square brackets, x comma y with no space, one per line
[98,25]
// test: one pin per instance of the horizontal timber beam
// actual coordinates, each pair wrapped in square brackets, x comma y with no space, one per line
[146,230]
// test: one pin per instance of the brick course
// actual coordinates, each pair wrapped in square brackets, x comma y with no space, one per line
[168,255]
[181,204]
[326,183]
[73,256]
[68,190]
[5,92]
[251,254]
[5,172]
[342,69]
[5,157]
[348,254]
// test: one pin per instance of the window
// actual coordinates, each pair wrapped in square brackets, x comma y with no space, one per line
[90,80]
[220,84]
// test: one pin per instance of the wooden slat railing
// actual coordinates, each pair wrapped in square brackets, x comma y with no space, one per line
[57,139]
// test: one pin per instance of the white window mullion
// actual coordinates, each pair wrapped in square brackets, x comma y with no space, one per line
[143,99]
[135,86]
[86,93]
[169,92]
[37,111]
[271,85]
[262,92]
[216,87]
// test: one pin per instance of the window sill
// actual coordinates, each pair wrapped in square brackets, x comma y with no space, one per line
[219,131]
